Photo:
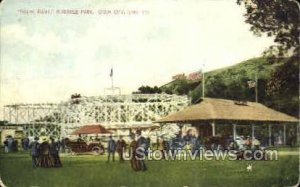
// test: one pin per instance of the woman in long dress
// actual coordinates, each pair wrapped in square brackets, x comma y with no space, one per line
[46,160]
[54,152]
[132,151]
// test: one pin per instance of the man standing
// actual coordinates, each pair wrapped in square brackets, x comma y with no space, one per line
[121,146]
[141,147]
[10,141]
[35,152]
[26,143]
[111,148]
[6,145]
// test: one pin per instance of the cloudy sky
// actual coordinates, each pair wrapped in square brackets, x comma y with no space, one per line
[47,57]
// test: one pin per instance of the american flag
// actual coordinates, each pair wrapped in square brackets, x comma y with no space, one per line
[195,75]
[111,72]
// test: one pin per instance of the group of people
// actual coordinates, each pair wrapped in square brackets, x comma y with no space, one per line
[137,150]
[119,147]
[10,144]
[242,142]
[45,154]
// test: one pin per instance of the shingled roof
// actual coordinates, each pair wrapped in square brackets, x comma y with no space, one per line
[222,109]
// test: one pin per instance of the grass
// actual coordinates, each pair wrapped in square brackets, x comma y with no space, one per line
[90,171]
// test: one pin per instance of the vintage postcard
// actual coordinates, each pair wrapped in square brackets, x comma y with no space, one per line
[128,93]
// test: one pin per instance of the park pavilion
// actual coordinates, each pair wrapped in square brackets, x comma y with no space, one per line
[212,113]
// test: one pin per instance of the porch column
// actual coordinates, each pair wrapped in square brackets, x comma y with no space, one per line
[253,130]
[284,134]
[270,135]
[157,139]
[234,131]
[297,134]
[213,127]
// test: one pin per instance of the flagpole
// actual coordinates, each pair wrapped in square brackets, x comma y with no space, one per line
[203,82]
[112,82]
[112,79]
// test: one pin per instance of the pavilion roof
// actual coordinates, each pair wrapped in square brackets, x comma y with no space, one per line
[228,110]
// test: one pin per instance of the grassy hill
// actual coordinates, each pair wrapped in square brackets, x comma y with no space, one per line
[232,83]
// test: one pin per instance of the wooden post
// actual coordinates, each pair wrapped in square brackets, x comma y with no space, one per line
[213,128]
[157,139]
[10,115]
[284,134]
[234,131]
[270,135]
[253,131]
[297,134]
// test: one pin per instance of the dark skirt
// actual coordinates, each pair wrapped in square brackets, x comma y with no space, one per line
[46,161]
[56,159]
[135,164]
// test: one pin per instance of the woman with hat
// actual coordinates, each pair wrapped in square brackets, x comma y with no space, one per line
[46,160]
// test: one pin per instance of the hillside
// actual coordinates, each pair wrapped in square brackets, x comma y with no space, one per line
[232,83]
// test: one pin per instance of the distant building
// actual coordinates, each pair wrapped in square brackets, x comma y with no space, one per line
[179,77]
[13,130]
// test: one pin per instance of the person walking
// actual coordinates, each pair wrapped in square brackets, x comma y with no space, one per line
[34,146]
[111,149]
[121,147]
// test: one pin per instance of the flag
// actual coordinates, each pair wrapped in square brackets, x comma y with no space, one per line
[195,76]
[111,72]
[251,84]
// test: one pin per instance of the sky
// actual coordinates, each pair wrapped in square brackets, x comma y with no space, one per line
[48,57]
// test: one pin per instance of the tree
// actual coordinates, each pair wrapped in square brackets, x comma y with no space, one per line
[279,19]
[276,18]
[148,90]
[182,87]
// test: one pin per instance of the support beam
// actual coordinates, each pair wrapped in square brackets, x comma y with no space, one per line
[213,127]
[270,135]
[297,134]
[284,134]
[253,131]
[234,131]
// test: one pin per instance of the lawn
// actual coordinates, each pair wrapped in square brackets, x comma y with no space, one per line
[90,170]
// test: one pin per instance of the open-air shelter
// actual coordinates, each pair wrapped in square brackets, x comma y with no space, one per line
[214,112]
